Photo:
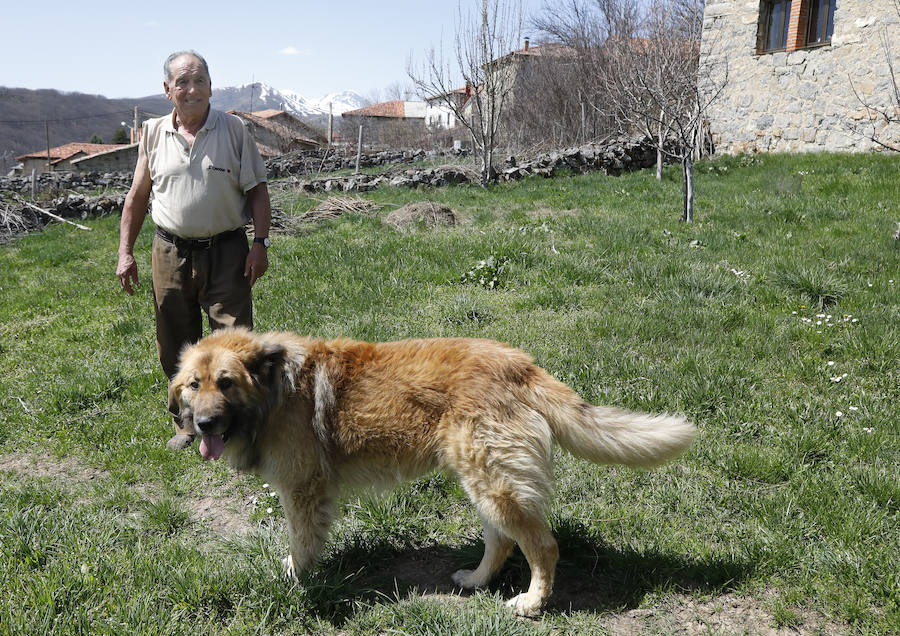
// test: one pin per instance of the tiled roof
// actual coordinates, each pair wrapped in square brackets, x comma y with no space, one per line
[269,112]
[66,151]
[279,130]
[115,148]
[538,50]
[455,91]
[547,49]
[385,109]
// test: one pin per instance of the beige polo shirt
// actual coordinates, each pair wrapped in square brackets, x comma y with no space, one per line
[200,190]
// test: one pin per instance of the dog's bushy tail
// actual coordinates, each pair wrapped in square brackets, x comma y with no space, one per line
[609,435]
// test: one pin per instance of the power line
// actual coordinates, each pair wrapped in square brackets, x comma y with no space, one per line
[118,113]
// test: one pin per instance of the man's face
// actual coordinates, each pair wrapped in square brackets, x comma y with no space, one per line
[189,87]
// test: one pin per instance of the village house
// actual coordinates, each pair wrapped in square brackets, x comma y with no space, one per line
[800,72]
[277,132]
[388,122]
[65,158]
[439,115]
[119,159]
[517,67]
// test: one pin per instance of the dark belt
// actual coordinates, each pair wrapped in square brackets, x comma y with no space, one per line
[196,243]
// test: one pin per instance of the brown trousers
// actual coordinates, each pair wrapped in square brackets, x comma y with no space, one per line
[189,279]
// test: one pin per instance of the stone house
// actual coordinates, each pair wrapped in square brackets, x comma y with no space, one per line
[119,159]
[63,158]
[800,72]
[394,122]
[516,68]
[277,132]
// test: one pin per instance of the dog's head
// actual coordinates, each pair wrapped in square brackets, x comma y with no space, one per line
[225,387]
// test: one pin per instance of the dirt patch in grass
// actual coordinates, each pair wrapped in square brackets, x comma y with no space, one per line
[47,467]
[223,514]
[219,511]
[728,614]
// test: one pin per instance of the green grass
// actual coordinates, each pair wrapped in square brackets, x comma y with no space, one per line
[775,311]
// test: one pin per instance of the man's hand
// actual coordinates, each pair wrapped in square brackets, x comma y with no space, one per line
[127,272]
[257,263]
[133,213]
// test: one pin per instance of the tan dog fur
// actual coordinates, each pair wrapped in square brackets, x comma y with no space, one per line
[313,417]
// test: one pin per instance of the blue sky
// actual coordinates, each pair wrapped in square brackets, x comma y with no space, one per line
[116,49]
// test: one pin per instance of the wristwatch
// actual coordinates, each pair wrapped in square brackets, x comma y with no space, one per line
[262,239]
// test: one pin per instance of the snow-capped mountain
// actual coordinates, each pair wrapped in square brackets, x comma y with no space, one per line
[340,102]
[259,96]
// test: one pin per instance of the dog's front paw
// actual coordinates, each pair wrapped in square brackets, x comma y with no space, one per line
[467,580]
[288,564]
[179,442]
[526,605]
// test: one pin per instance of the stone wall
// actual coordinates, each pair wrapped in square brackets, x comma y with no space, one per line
[120,160]
[611,157]
[802,100]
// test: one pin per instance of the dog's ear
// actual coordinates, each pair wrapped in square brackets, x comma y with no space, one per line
[181,416]
[174,398]
[265,365]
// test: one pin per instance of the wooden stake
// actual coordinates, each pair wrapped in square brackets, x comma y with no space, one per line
[53,216]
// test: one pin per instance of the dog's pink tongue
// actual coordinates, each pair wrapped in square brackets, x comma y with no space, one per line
[211,446]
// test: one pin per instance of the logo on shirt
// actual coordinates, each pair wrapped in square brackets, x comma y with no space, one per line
[211,167]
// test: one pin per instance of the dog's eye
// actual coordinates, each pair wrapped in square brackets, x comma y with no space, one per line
[225,383]
[194,385]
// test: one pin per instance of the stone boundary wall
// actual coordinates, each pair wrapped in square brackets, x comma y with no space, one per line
[614,158]
[802,100]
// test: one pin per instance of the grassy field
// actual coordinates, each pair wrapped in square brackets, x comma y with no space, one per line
[773,322]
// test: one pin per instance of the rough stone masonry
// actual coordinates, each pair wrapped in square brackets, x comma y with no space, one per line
[803,100]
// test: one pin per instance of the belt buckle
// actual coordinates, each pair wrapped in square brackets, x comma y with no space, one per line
[202,244]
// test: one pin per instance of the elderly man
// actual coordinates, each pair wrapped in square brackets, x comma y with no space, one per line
[207,180]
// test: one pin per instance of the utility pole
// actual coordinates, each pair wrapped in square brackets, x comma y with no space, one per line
[47,131]
[330,122]
[135,132]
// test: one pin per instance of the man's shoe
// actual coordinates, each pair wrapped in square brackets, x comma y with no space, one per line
[180,441]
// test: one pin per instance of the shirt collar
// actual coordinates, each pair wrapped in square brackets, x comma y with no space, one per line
[212,118]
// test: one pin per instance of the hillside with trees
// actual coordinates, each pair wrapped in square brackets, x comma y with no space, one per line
[29,117]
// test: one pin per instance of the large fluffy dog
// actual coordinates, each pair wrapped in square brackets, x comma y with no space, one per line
[311,416]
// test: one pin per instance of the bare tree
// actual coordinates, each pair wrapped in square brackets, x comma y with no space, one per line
[602,33]
[398,91]
[656,86]
[482,40]
[549,103]
[885,111]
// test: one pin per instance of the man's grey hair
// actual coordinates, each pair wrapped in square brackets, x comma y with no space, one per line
[167,66]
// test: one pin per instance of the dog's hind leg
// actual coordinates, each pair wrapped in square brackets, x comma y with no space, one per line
[497,547]
[512,521]
[541,551]
[505,466]
[309,510]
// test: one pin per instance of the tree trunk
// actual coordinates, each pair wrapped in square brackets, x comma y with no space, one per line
[659,152]
[687,173]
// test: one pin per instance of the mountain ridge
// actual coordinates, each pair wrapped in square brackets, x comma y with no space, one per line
[29,118]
